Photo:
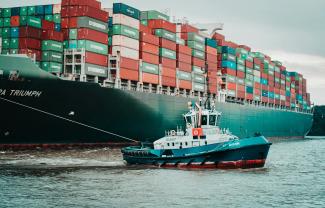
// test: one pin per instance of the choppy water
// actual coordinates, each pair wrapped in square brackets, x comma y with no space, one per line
[294,176]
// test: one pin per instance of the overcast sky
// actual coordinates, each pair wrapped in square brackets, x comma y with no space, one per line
[288,30]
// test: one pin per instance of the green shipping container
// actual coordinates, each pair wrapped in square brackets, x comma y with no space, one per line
[249,70]
[50,56]
[23,11]
[93,46]
[73,34]
[165,34]
[6,12]
[163,52]
[52,67]
[49,17]
[184,75]
[31,10]
[14,43]
[199,79]
[120,8]
[144,22]
[195,37]
[199,87]
[250,77]
[0,32]
[257,67]
[34,22]
[23,20]
[198,54]
[230,57]
[51,45]
[6,22]
[153,14]
[13,51]
[180,41]
[150,68]
[196,45]
[126,31]
[57,18]
[6,33]
[5,43]
[240,61]
[240,68]
[1,22]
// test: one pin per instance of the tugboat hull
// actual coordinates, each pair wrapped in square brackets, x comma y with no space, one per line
[221,156]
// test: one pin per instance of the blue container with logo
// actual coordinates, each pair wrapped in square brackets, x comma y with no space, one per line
[265,93]
[14,32]
[120,8]
[228,64]
[211,42]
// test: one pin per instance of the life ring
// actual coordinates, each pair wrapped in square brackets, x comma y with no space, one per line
[195,132]
[173,132]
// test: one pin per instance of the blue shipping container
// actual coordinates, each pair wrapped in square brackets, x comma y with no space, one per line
[15,11]
[226,49]
[271,94]
[120,8]
[265,93]
[14,32]
[264,81]
[228,64]
[57,27]
[298,97]
[288,93]
[48,9]
[39,10]
[211,42]
[73,44]
[110,22]
[249,89]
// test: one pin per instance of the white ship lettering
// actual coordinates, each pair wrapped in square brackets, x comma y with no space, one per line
[20,93]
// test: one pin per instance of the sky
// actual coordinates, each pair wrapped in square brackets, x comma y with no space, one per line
[290,31]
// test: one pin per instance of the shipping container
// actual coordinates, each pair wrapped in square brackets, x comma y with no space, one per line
[96,59]
[149,68]
[87,22]
[120,8]
[92,46]
[121,19]
[165,34]
[50,45]
[96,70]
[162,24]
[125,52]
[119,40]
[150,78]
[52,67]
[126,31]
[51,56]
[153,14]
[167,53]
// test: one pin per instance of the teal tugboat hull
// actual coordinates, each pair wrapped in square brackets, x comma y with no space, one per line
[243,153]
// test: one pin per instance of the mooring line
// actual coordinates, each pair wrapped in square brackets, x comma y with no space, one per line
[69,120]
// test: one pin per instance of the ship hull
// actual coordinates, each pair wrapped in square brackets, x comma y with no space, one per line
[66,112]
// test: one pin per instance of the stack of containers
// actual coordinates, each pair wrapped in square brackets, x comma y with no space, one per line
[211,59]
[52,51]
[166,31]
[228,65]
[287,89]
[149,47]
[184,58]
[125,41]
[85,27]
[197,43]
[283,87]
[242,73]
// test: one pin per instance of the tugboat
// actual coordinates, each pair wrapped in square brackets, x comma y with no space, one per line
[202,145]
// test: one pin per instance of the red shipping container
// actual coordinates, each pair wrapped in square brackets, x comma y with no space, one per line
[168,72]
[78,11]
[166,62]
[14,21]
[29,43]
[97,59]
[245,47]
[47,25]
[150,78]
[183,49]
[186,28]
[144,28]
[31,53]
[149,58]
[276,91]
[277,74]
[167,44]
[257,92]
[212,66]
[241,74]
[212,74]
[264,75]
[257,61]
[184,58]
[29,32]
[249,96]
[212,88]
[148,38]
[265,99]
[270,78]
[52,35]
[211,58]
[265,87]
[241,94]
[183,84]
[168,81]
[210,50]
[218,36]
[65,23]
[129,74]
[271,89]
[231,86]
[249,64]
[257,85]
[198,62]
[92,3]
[65,11]
[212,81]
[65,33]
[149,48]
[240,87]
[128,63]
[271,100]
[184,66]
[89,34]
[162,24]
[228,71]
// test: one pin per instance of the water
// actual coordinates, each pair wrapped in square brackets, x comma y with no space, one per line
[294,176]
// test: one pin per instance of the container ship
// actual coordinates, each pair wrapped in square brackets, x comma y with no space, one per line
[318,128]
[78,74]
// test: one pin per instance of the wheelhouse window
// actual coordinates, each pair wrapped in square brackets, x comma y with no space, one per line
[204,120]
[188,119]
[212,120]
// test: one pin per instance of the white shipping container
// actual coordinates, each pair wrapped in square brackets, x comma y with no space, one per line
[122,19]
[257,73]
[119,40]
[282,97]
[56,8]
[125,52]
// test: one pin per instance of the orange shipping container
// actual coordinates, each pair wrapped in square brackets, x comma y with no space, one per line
[150,78]
[184,58]
[257,92]
[149,58]
[166,62]
[184,66]
[168,72]
[149,48]
[183,84]
[210,50]
[14,21]
[129,63]
[257,85]
[129,74]
[168,81]
[167,44]
[212,88]
[184,49]
[231,86]
[198,62]
[240,87]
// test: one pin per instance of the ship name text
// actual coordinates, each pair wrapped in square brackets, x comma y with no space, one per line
[20,93]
